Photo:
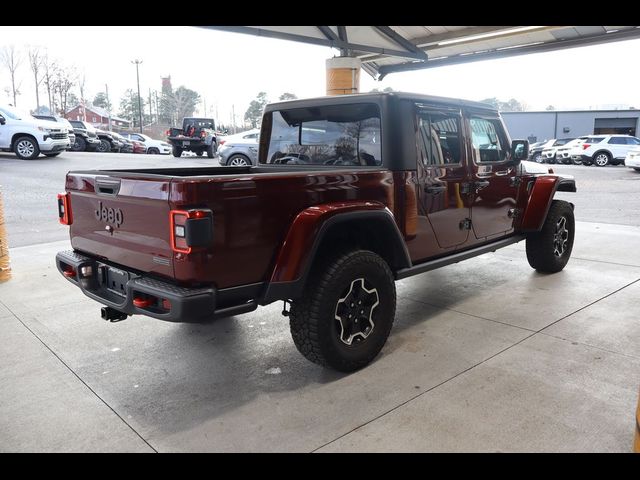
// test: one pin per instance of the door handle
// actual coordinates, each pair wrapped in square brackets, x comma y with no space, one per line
[480,185]
[435,189]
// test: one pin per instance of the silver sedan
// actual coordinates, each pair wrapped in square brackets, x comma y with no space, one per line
[240,149]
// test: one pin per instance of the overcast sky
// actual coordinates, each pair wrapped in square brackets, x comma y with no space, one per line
[229,69]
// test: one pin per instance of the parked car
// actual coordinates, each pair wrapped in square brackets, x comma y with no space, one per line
[632,160]
[63,121]
[138,147]
[86,136]
[320,225]
[27,136]
[601,150]
[535,151]
[108,142]
[152,146]
[126,145]
[563,153]
[239,149]
[549,150]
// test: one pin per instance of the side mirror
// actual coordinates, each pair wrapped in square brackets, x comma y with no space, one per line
[519,151]
[2,120]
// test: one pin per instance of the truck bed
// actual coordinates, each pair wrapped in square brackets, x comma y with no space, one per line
[252,209]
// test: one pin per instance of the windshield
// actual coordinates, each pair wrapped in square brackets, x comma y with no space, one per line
[13,113]
[198,123]
[331,135]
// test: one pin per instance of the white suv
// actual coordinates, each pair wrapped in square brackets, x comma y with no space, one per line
[633,159]
[563,154]
[601,150]
[27,136]
[550,148]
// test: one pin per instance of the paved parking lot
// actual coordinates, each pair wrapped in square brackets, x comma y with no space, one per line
[485,355]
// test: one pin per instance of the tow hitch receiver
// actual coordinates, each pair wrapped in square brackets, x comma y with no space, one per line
[112,315]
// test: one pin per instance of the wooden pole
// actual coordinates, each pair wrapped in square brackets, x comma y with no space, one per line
[5,268]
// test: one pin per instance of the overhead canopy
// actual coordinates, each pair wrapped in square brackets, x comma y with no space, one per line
[385,49]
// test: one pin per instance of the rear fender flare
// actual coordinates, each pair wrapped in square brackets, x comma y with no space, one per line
[305,236]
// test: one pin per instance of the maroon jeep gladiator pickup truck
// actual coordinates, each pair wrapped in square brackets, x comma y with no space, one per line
[350,194]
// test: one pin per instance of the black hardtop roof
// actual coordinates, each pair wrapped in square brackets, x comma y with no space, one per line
[376,96]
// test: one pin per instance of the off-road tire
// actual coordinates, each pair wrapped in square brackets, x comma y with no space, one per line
[177,152]
[104,146]
[315,331]
[541,245]
[80,145]
[211,150]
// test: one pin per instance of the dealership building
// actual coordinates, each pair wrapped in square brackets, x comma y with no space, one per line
[539,126]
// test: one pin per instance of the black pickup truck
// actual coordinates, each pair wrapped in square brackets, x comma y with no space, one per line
[196,135]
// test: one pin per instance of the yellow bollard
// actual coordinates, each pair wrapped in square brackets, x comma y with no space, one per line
[636,441]
[5,268]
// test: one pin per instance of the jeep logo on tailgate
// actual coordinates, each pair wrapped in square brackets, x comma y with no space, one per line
[109,215]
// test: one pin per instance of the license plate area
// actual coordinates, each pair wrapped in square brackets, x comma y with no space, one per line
[114,280]
[186,144]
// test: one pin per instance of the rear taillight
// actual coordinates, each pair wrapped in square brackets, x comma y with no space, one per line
[64,208]
[585,146]
[190,229]
[203,134]
[167,133]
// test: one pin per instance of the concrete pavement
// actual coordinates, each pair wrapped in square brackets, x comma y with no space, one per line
[485,355]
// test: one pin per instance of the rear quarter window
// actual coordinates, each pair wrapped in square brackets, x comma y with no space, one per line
[329,135]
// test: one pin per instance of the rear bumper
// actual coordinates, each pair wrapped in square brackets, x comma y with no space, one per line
[187,143]
[186,304]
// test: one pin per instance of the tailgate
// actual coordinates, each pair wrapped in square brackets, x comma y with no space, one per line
[123,219]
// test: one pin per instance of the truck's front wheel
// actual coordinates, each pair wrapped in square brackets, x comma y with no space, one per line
[345,315]
[26,148]
[548,250]
[177,152]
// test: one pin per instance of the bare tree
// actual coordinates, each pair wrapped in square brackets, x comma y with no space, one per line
[36,62]
[48,76]
[65,79]
[11,59]
[81,84]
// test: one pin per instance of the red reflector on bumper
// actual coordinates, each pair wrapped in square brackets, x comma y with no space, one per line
[142,302]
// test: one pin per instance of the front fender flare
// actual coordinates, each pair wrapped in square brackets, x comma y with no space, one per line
[540,198]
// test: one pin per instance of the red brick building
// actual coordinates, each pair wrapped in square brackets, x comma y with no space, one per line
[96,116]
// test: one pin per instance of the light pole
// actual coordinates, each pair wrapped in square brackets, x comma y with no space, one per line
[138,62]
